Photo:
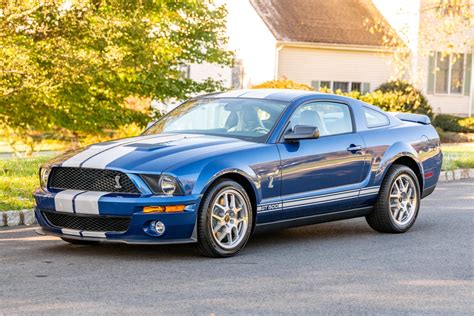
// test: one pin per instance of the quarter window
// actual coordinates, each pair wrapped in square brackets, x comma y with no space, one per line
[375,118]
[330,118]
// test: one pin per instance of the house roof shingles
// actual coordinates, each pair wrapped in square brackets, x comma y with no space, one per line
[321,21]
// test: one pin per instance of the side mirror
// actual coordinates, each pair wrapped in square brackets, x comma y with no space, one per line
[301,132]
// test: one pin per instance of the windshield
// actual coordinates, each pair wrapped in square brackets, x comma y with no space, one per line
[249,119]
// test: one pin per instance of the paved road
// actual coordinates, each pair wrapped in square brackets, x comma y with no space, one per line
[340,267]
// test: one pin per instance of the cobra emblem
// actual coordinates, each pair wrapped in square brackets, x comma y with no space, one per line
[117,183]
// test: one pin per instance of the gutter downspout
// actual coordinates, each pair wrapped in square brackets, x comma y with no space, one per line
[279,47]
[471,92]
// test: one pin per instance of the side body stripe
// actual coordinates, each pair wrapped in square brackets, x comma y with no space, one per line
[317,199]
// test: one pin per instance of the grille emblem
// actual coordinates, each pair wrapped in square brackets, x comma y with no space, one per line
[117,183]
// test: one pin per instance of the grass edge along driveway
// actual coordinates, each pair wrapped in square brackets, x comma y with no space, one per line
[19,177]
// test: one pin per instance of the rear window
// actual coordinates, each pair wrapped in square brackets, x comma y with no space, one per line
[375,118]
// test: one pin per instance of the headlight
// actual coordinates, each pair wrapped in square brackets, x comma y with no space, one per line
[44,175]
[168,185]
[162,184]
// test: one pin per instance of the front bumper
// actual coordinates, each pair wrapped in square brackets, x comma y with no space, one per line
[180,227]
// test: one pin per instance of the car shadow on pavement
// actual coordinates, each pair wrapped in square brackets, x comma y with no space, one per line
[260,242]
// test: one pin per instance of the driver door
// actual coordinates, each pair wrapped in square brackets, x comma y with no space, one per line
[321,175]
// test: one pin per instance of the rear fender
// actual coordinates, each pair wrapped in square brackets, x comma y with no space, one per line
[395,151]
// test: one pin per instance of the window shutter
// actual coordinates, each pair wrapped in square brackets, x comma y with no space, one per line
[467,76]
[365,87]
[431,75]
[315,84]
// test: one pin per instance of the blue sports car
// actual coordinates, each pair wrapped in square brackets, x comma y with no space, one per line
[221,166]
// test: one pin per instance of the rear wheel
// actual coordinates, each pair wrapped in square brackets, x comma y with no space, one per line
[398,202]
[80,242]
[225,220]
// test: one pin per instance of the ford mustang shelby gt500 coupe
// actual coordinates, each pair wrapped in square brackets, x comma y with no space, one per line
[220,166]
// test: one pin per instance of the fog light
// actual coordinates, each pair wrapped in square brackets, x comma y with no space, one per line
[158,227]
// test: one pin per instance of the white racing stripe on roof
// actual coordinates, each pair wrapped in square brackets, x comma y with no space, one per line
[73,232]
[63,201]
[258,93]
[230,94]
[88,202]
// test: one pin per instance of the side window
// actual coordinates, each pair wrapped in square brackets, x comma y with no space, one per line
[330,118]
[375,118]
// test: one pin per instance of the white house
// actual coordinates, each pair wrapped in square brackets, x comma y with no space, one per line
[319,43]
[326,43]
[447,81]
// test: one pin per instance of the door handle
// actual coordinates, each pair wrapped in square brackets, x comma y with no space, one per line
[354,148]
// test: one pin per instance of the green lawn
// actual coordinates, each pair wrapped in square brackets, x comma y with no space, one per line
[458,156]
[19,177]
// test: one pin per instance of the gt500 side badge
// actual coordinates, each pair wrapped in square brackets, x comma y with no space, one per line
[270,207]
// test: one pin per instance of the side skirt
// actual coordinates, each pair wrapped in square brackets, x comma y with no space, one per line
[314,219]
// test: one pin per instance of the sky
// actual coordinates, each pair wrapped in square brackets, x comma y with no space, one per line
[403,17]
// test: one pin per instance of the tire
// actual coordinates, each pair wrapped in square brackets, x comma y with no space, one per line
[224,229]
[401,216]
[80,242]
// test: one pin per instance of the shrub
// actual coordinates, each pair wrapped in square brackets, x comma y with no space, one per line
[394,96]
[467,123]
[282,84]
[451,123]
[409,98]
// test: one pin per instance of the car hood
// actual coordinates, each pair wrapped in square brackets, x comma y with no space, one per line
[148,153]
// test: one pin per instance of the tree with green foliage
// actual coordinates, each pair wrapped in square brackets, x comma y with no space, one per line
[69,65]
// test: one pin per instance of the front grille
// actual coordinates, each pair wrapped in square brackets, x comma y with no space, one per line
[88,223]
[87,179]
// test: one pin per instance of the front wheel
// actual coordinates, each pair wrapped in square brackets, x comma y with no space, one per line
[398,202]
[225,220]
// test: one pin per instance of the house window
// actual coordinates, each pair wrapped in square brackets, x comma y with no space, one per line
[356,86]
[326,84]
[449,75]
[343,86]
[457,74]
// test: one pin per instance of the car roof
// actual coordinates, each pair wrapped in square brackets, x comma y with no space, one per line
[285,95]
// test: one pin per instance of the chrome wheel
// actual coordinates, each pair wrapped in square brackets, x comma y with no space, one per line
[229,220]
[403,200]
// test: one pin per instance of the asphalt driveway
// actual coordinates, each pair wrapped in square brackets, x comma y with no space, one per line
[333,268]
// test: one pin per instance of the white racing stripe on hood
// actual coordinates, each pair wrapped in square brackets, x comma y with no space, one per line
[63,201]
[76,160]
[102,160]
[101,156]
[88,202]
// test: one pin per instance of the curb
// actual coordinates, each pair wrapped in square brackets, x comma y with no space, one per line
[15,218]
[457,174]
[27,217]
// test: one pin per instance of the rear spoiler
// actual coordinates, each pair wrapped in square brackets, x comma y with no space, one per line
[410,117]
